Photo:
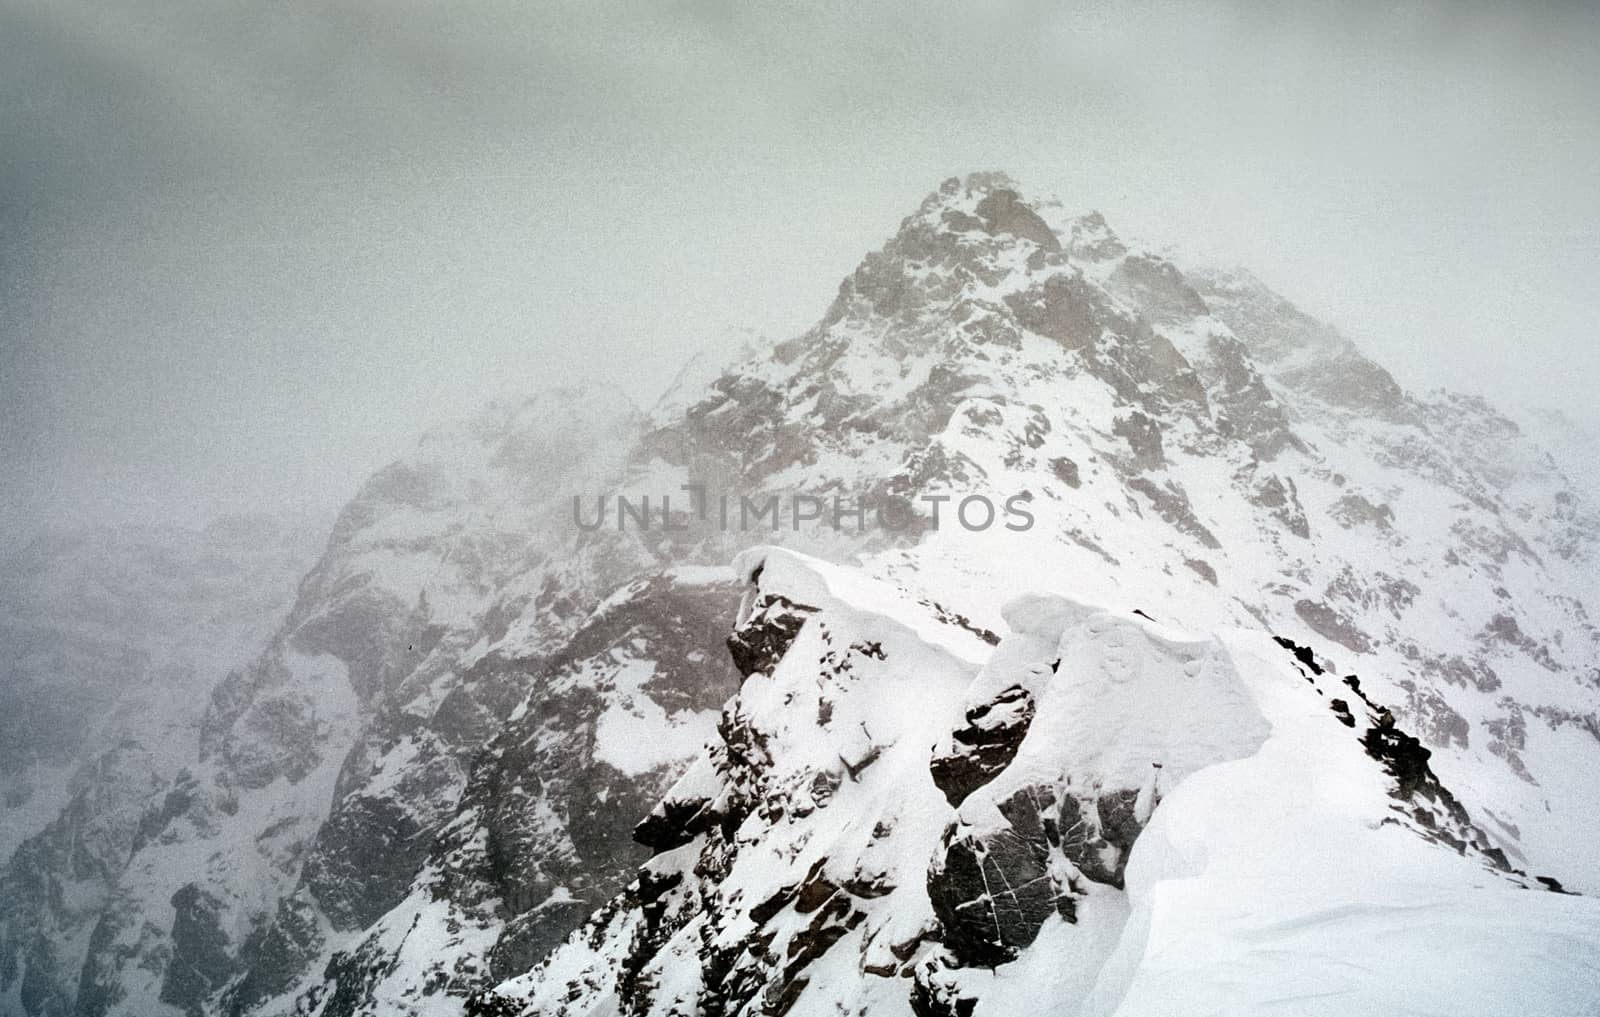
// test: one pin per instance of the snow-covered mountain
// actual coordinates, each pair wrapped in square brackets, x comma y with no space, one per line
[325,766]
[896,819]
[1193,446]
[114,637]
[113,633]
[1100,815]
[1083,755]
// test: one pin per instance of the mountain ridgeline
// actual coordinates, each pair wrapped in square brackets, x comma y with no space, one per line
[1286,651]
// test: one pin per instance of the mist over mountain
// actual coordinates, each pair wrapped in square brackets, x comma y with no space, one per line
[117,635]
[252,249]
[1286,691]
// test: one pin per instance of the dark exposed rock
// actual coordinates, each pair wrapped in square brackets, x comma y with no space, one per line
[56,884]
[1280,496]
[348,981]
[1246,407]
[1503,628]
[831,919]
[1330,624]
[1351,380]
[492,1004]
[1064,308]
[1003,211]
[1065,470]
[364,860]
[1422,802]
[961,621]
[276,955]
[1508,736]
[984,746]
[203,960]
[1437,721]
[1297,350]
[120,631]
[497,862]
[1092,239]
[1556,717]
[992,893]
[1202,569]
[815,890]
[1341,709]
[909,298]
[761,641]
[673,823]
[174,803]
[1462,672]
[1304,654]
[1097,833]
[1157,288]
[868,887]
[1434,811]
[1378,591]
[529,937]
[1143,436]
[934,994]
[260,727]
[1171,503]
[1355,510]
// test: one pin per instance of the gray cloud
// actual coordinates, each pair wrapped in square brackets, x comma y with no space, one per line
[250,249]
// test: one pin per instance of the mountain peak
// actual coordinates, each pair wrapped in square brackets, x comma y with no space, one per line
[974,185]
[1003,211]
[994,204]
[1090,238]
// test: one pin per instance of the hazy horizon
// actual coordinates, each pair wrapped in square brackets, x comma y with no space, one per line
[251,253]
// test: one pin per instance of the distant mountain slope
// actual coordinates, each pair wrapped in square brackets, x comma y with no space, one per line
[114,638]
[116,633]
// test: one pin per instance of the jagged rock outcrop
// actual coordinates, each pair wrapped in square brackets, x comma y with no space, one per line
[984,745]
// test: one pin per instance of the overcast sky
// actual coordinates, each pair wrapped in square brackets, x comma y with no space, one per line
[250,248]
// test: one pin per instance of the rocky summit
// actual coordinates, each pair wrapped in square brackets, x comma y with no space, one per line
[1261,685]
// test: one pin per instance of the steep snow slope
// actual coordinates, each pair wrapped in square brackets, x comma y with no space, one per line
[1099,816]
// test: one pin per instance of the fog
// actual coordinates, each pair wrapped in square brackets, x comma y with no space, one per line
[249,250]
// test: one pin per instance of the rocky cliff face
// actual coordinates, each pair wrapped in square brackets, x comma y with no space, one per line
[536,836]
[428,776]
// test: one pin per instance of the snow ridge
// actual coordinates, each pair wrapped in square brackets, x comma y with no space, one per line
[1168,806]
